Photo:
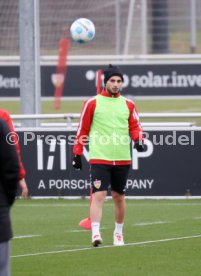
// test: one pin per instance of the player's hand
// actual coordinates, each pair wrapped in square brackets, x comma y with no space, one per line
[77,162]
[24,189]
[139,146]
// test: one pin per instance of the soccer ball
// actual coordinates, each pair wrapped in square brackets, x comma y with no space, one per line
[82,30]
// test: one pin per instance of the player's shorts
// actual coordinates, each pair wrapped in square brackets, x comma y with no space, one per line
[104,176]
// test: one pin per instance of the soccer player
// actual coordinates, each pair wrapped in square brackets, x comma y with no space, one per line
[22,183]
[9,177]
[109,120]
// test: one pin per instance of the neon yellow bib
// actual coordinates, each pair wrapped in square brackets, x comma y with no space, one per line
[109,133]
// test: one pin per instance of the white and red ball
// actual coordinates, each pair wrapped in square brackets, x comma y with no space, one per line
[82,30]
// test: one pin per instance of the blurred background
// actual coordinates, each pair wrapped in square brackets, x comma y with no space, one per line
[157,43]
[123,27]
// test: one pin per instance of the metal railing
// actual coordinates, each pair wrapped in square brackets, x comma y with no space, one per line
[70,116]
[71,119]
[105,59]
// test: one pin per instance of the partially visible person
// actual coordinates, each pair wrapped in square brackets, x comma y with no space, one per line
[22,183]
[9,179]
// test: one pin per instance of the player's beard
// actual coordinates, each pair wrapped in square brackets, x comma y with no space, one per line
[113,92]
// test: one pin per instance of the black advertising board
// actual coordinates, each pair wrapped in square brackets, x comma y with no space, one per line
[139,80]
[170,165]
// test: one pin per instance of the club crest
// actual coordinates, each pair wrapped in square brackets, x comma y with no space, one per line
[97,184]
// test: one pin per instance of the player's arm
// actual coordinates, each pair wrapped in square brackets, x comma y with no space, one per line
[9,164]
[22,182]
[83,131]
[135,128]
[5,116]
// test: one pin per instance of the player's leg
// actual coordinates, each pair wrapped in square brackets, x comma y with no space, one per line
[96,215]
[100,178]
[118,184]
[119,207]
[119,214]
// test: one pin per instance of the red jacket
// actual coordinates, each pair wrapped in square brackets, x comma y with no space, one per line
[5,116]
[88,110]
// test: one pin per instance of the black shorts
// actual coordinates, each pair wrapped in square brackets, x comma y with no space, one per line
[104,176]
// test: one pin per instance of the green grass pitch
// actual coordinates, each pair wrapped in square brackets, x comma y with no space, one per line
[163,238]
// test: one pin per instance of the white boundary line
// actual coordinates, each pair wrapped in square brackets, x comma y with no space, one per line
[107,246]
[127,197]
[149,223]
[26,236]
[109,204]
